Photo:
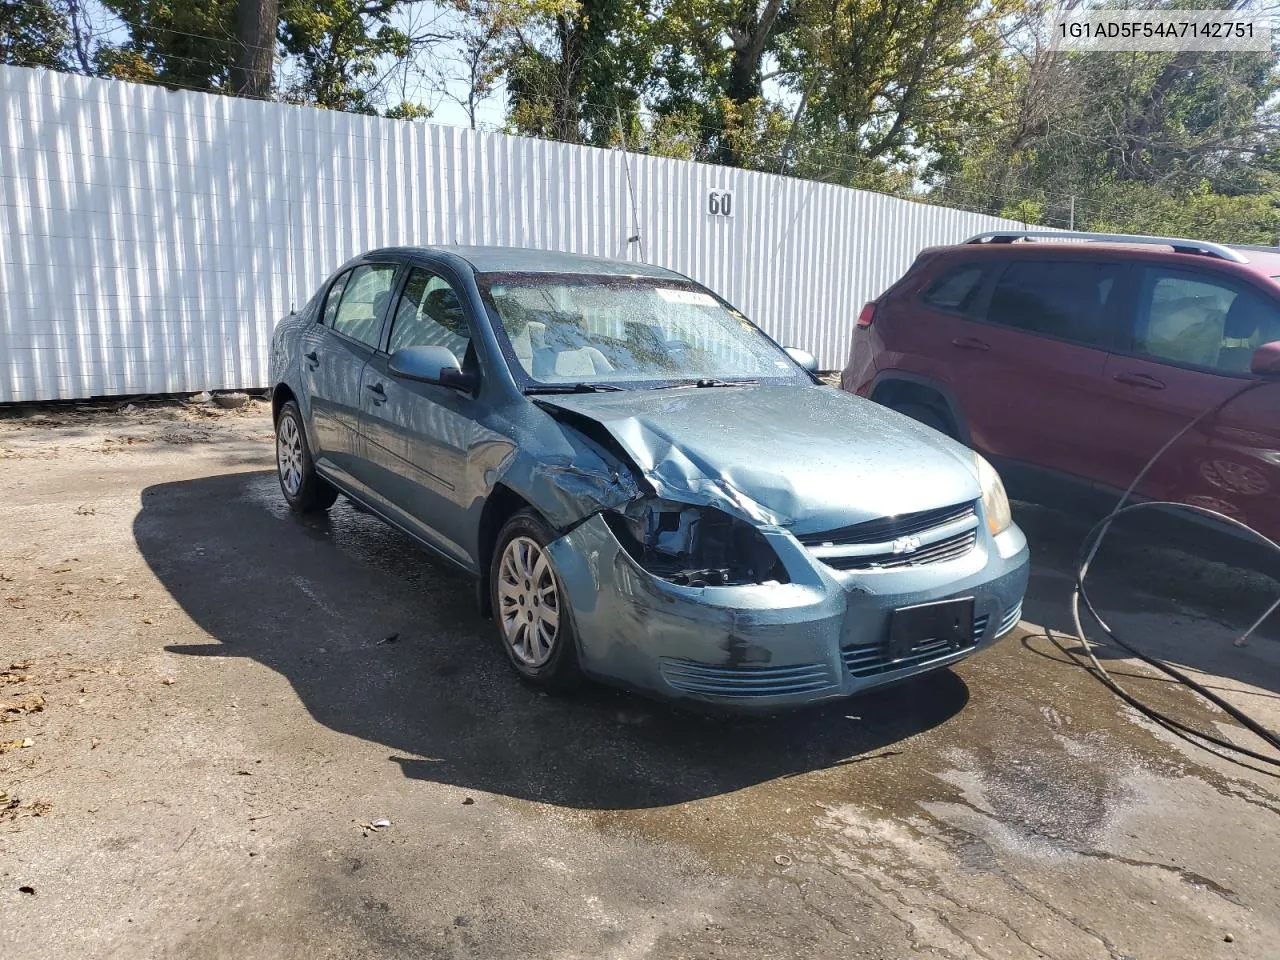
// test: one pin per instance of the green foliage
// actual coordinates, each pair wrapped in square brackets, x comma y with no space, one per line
[180,43]
[1199,213]
[33,33]
[340,46]
[572,67]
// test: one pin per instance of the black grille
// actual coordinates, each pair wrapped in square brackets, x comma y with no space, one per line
[890,528]
[948,549]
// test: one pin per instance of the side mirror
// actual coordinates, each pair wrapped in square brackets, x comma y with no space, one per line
[431,365]
[804,358]
[1266,360]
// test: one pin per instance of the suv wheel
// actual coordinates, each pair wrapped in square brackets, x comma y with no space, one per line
[304,489]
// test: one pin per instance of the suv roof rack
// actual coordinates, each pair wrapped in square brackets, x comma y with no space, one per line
[1179,244]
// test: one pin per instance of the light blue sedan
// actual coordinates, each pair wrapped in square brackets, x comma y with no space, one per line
[648,490]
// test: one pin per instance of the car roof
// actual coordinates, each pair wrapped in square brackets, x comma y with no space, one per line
[525,260]
[1262,261]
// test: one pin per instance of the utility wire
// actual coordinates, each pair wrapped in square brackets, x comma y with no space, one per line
[1089,550]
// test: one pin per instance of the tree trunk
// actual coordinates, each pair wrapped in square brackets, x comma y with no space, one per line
[256,25]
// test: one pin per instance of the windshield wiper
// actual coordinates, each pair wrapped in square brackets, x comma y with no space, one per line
[573,388]
[705,382]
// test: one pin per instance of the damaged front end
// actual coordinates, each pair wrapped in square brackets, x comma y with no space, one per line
[694,546]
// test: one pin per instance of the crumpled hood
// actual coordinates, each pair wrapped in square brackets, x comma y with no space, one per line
[807,457]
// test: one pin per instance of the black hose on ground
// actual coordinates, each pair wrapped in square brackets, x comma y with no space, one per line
[1089,550]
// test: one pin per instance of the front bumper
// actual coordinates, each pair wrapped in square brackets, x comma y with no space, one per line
[764,647]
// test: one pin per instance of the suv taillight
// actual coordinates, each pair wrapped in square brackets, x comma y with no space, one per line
[867,315]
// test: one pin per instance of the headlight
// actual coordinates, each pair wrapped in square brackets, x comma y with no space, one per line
[694,546]
[995,502]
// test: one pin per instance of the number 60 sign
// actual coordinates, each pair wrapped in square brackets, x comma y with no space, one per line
[720,203]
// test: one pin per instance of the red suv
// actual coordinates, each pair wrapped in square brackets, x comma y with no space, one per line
[1069,364]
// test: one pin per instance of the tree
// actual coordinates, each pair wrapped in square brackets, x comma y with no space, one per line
[711,58]
[348,51]
[33,33]
[257,22]
[1147,142]
[572,67]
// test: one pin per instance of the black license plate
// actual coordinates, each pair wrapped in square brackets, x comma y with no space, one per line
[948,620]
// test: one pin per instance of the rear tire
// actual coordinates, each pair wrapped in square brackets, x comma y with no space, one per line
[304,489]
[929,416]
[530,606]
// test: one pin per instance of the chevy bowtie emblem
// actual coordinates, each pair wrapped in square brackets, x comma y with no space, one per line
[906,545]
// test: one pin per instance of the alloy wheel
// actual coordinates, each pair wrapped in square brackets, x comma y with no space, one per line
[289,455]
[528,601]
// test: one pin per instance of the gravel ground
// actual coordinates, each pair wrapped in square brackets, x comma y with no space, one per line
[205,714]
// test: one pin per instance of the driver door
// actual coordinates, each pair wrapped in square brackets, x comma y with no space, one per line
[418,435]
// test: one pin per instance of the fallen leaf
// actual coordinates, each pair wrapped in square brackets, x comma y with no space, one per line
[14,709]
[22,665]
[8,745]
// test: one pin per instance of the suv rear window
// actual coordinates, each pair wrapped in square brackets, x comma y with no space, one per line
[955,289]
[1067,299]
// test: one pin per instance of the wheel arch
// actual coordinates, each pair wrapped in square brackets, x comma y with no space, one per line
[281,395]
[503,503]
[906,387]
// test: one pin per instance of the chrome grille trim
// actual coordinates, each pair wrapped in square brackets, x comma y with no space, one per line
[1010,620]
[950,549]
[745,681]
[868,660]
[935,536]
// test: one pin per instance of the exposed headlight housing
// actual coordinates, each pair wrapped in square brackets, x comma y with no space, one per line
[694,546]
[995,502]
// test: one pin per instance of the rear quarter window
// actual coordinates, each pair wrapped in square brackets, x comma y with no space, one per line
[955,289]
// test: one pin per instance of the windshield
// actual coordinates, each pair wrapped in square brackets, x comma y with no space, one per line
[567,329]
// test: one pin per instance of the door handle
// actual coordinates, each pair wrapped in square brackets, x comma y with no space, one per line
[312,359]
[1139,380]
[971,343]
[378,391]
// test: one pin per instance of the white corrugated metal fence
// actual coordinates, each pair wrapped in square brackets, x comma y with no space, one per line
[150,240]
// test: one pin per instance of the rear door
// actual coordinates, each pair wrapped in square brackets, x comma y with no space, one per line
[334,354]
[1028,372]
[418,434]
[1194,332]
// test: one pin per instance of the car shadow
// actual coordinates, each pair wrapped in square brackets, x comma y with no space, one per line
[1166,597]
[383,642]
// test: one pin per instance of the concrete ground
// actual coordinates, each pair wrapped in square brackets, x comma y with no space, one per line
[221,698]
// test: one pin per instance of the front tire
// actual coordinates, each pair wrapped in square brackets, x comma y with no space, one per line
[304,489]
[530,606]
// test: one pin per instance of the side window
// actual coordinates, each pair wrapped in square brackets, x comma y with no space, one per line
[1067,299]
[368,289]
[331,301]
[955,289]
[1198,319]
[429,314]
